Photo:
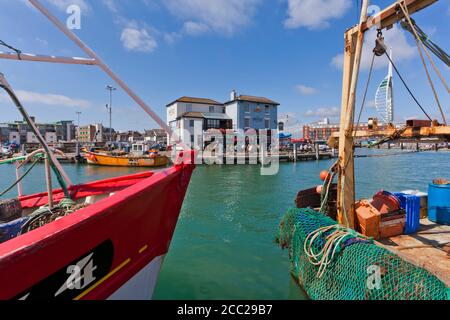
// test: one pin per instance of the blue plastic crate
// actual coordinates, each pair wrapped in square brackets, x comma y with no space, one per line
[411,204]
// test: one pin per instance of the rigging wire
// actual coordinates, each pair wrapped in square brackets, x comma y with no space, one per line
[17,51]
[426,40]
[407,87]
[365,92]
[420,47]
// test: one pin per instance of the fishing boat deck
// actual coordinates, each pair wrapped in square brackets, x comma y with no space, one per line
[429,248]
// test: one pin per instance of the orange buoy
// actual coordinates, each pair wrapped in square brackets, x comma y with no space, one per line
[319,189]
[324,175]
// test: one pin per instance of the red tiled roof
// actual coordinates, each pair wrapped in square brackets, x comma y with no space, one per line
[196,100]
[254,99]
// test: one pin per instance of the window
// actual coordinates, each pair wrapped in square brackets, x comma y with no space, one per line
[267,109]
[188,107]
[224,110]
[211,109]
[212,124]
[246,107]
[191,123]
[192,139]
[247,123]
[267,124]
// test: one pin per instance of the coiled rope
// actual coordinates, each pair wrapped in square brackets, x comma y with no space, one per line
[335,237]
[44,215]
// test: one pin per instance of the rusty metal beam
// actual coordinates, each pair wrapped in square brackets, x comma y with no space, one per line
[42,58]
[410,132]
[392,14]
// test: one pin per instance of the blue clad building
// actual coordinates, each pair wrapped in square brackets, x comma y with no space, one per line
[252,112]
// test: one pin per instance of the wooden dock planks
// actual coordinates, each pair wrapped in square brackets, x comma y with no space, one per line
[429,248]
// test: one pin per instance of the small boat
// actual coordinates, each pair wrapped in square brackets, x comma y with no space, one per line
[126,161]
[140,156]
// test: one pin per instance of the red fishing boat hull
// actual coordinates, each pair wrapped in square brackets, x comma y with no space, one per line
[111,249]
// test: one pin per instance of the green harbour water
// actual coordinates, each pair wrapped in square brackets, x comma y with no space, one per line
[223,247]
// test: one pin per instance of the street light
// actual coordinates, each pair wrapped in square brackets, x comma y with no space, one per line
[109,107]
[78,134]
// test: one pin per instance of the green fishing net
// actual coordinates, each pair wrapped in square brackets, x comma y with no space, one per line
[360,271]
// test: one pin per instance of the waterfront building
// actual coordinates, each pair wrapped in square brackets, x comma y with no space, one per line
[322,130]
[252,112]
[9,133]
[65,130]
[156,136]
[190,117]
[91,133]
[20,132]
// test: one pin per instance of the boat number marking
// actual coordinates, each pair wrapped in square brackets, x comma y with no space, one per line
[81,275]
[133,162]
[73,279]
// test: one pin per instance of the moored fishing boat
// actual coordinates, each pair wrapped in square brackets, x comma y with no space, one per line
[141,155]
[127,160]
[374,249]
[100,240]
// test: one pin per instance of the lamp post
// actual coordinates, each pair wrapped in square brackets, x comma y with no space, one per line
[109,107]
[78,134]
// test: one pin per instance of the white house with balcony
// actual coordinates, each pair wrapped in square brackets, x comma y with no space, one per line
[190,117]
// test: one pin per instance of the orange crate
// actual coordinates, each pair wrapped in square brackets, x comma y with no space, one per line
[393,225]
[368,218]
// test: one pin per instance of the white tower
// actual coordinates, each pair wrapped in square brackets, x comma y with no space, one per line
[384,98]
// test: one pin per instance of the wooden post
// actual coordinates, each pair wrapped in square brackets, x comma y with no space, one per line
[295,152]
[48,177]
[354,39]
[19,185]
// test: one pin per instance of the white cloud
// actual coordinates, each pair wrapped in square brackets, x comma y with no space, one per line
[323,112]
[195,28]
[47,99]
[171,37]
[42,42]
[221,16]
[394,38]
[138,39]
[305,90]
[111,5]
[314,14]
[64,4]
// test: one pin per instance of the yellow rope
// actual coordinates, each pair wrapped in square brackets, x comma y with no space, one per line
[325,257]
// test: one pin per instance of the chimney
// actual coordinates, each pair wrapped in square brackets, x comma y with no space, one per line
[233,95]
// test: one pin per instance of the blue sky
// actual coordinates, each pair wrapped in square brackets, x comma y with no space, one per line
[286,50]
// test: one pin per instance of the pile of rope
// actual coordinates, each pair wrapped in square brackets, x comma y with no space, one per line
[323,244]
[45,215]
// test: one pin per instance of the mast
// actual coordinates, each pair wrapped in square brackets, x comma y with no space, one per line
[354,38]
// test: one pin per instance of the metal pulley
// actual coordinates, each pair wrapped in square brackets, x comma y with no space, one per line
[380,46]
